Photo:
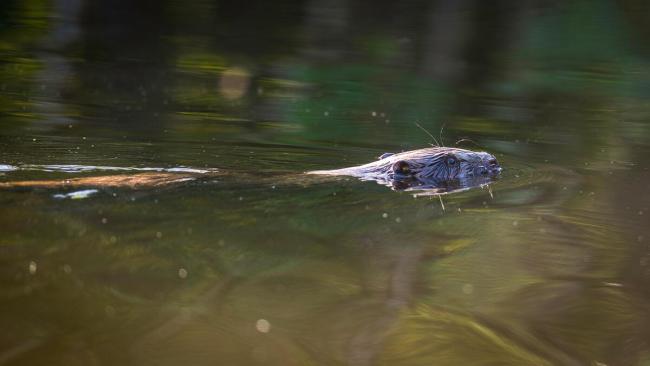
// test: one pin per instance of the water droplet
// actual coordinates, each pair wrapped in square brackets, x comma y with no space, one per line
[182,273]
[263,326]
[32,267]
[158,234]
[384,215]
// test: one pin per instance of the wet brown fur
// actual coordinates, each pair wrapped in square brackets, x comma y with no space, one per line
[133,181]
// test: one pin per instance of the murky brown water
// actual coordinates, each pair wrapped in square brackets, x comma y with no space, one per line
[262,265]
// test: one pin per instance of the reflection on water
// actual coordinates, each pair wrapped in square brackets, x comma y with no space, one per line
[550,266]
[71,168]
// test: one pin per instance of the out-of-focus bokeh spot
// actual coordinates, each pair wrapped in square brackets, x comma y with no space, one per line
[234,82]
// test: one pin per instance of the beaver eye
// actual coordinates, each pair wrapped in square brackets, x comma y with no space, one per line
[451,161]
[401,167]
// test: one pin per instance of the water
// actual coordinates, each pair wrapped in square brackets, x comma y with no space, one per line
[550,265]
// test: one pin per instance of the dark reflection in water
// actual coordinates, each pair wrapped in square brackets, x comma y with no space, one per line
[263,265]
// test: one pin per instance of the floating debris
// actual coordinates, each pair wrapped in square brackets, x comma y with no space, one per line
[7,168]
[77,195]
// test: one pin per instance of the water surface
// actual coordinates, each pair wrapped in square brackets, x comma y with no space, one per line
[549,265]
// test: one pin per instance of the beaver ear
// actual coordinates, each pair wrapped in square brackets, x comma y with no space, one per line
[402,168]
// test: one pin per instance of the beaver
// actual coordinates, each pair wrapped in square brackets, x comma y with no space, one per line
[435,167]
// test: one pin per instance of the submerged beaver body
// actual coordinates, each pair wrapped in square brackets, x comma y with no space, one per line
[434,167]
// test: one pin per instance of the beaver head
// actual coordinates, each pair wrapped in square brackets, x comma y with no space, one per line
[433,167]
[441,163]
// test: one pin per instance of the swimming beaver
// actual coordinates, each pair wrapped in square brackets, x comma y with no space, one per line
[437,169]
[434,167]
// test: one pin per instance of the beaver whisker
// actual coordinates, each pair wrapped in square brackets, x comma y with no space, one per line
[441,139]
[428,133]
[467,140]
